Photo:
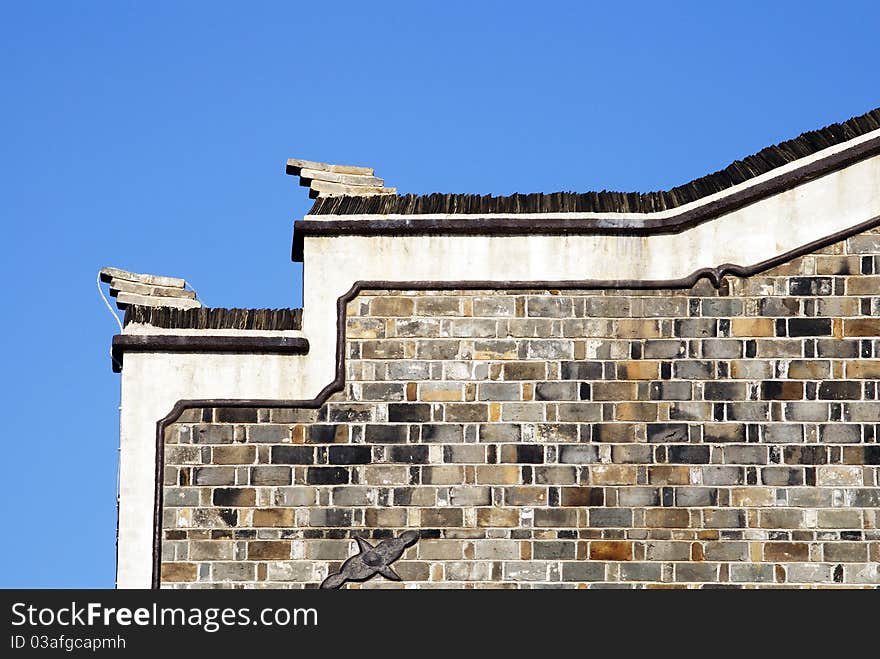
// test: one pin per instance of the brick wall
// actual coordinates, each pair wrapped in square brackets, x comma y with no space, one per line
[565,438]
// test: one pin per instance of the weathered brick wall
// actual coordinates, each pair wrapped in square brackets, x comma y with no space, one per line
[566,438]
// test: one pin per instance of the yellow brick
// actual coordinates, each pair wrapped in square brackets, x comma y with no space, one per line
[669,475]
[273,517]
[635,412]
[752,496]
[613,474]
[611,550]
[491,517]
[631,328]
[440,391]
[752,327]
[862,285]
[391,306]
[497,474]
[861,327]
[178,571]
[638,370]
[864,369]
[756,552]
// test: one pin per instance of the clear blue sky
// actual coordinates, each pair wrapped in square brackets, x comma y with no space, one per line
[152,136]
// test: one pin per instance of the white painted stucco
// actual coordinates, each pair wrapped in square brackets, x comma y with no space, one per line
[153,382]
[151,385]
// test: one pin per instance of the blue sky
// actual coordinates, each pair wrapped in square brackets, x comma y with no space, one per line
[152,136]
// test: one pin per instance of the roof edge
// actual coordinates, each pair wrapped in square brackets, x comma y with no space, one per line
[740,171]
[610,223]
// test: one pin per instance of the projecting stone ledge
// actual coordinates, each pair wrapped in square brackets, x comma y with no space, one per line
[132,288]
[326,180]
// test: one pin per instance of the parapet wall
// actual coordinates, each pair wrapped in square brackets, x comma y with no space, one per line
[560,437]
[673,388]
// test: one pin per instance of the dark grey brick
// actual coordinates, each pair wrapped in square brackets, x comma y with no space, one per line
[409,453]
[330,517]
[781,476]
[349,455]
[806,411]
[723,475]
[783,433]
[631,453]
[579,412]
[385,434]
[382,391]
[671,390]
[840,390]
[500,432]
[693,370]
[270,434]
[836,348]
[446,433]
[778,306]
[293,455]
[327,476]
[265,475]
[722,348]
[212,434]
[409,412]
[556,391]
[696,496]
[810,286]
[809,327]
[724,307]
[327,434]
[745,455]
[583,571]
[688,454]
[749,411]
[807,455]
[553,550]
[214,476]
[611,517]
[235,415]
[688,572]
[638,496]
[664,349]
[607,307]
[841,433]
[500,391]
[866,498]
[581,371]
[550,307]
[667,432]
[233,496]
[696,327]
[724,390]
[640,571]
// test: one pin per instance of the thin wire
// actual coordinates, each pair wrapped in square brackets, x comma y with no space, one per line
[185,284]
[107,302]
[119,445]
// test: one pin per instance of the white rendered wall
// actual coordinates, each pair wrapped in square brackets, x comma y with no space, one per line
[151,385]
